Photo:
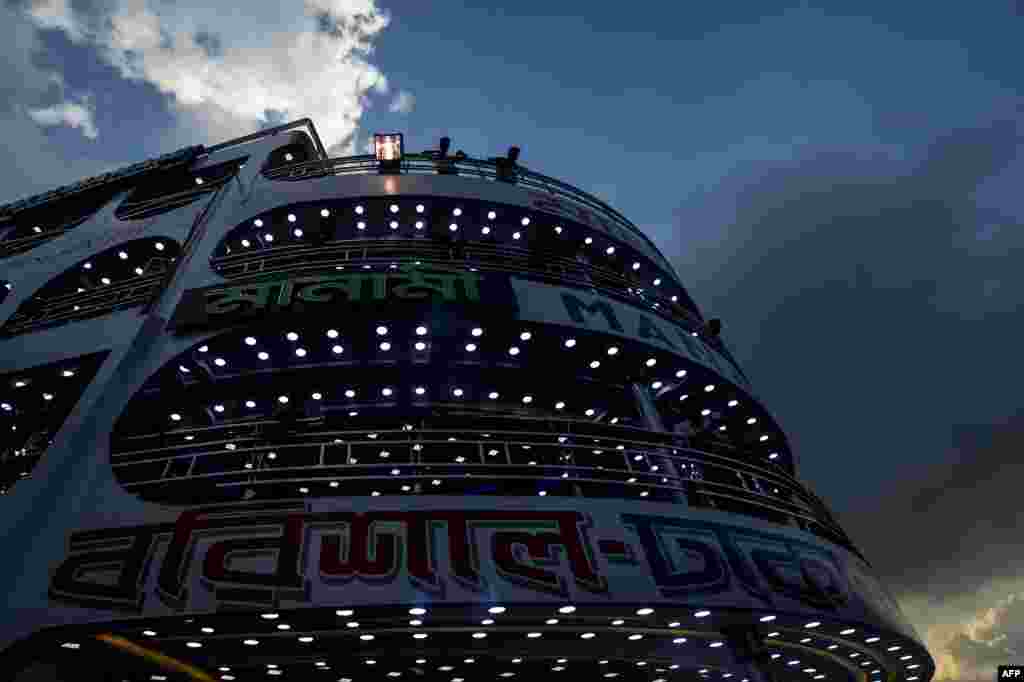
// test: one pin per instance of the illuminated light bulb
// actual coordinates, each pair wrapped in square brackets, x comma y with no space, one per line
[453,227]
[513,350]
[386,392]
[420,390]
[122,255]
[457,393]
[709,388]
[385,346]
[419,345]
[767,619]
[702,614]
[360,225]
[594,364]
[610,250]
[393,224]
[559,405]
[246,243]
[174,415]
[651,362]
[493,395]
[37,229]
[636,266]
[516,235]
[268,237]
[613,350]
[569,343]
[485,230]
[87,266]
[218,408]
[635,637]
[105,280]
[301,352]
[283,399]
[470,347]
[657,282]
[656,385]
[297,232]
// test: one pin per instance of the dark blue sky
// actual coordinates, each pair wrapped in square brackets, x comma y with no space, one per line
[841,183]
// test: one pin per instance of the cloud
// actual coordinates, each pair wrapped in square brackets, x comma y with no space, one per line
[70,113]
[986,636]
[29,161]
[856,288]
[296,58]
[402,103]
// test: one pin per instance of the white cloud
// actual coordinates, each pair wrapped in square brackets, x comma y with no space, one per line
[55,14]
[74,114]
[402,103]
[282,60]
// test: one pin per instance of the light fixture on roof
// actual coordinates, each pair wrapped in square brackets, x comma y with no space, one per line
[389,149]
[594,364]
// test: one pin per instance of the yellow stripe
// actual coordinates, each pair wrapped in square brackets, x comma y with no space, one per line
[163,660]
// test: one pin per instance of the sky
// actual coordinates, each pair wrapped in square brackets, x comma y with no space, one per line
[839,182]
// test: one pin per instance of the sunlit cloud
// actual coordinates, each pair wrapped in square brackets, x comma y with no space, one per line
[266,63]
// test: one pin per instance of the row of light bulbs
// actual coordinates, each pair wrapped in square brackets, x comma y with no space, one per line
[419,612]
[453,226]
